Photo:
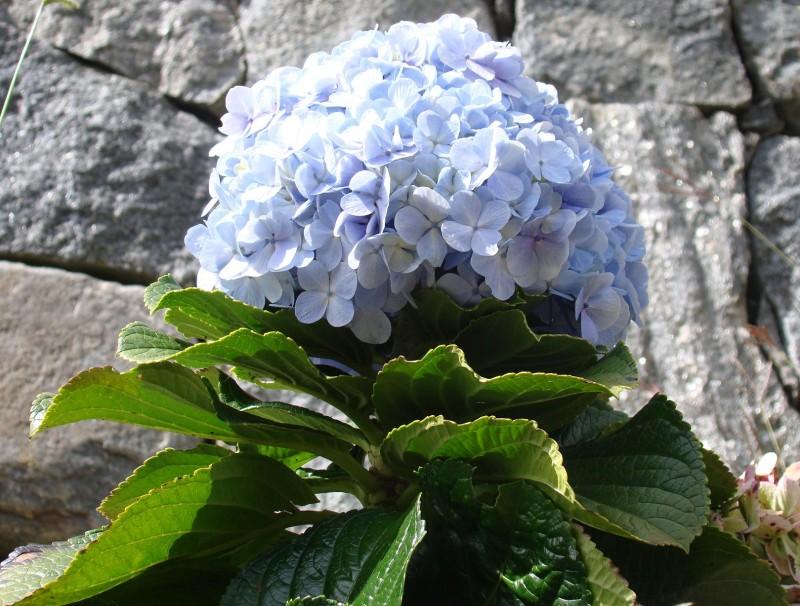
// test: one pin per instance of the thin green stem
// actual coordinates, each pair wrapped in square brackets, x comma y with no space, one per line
[348,485]
[11,86]
[408,495]
[371,431]
[355,470]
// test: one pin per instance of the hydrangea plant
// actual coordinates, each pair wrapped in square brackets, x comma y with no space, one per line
[419,157]
[415,233]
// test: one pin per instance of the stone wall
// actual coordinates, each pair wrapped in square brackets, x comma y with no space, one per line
[104,157]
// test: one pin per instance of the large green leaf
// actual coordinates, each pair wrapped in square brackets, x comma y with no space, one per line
[442,383]
[647,477]
[503,342]
[319,600]
[721,482]
[158,470]
[30,567]
[168,397]
[359,558]
[213,314]
[156,290]
[280,412]
[501,449]
[510,546]
[231,509]
[598,417]
[719,570]
[607,586]
[616,370]
[436,318]
[141,343]
[196,581]
[278,359]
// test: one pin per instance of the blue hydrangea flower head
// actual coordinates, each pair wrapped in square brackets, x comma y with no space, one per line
[419,157]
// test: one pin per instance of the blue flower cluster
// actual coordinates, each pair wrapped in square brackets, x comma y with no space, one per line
[419,157]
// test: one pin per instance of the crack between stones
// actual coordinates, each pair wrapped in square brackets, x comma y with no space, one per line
[106,274]
[755,295]
[504,18]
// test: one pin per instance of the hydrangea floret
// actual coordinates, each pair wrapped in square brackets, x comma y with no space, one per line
[419,157]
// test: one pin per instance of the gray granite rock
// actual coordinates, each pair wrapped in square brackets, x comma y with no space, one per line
[188,49]
[53,324]
[285,32]
[99,173]
[684,173]
[676,51]
[769,36]
[774,196]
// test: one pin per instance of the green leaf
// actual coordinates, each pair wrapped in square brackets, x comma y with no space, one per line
[521,349]
[197,581]
[719,570]
[442,383]
[140,343]
[167,397]
[275,357]
[28,568]
[616,370]
[607,586]
[162,396]
[230,509]
[293,459]
[598,418]
[320,600]
[500,449]
[164,467]
[213,314]
[358,557]
[646,478]
[154,293]
[721,482]
[436,318]
[513,548]
[280,412]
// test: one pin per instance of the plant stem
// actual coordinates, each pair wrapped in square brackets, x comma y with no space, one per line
[355,470]
[408,495]
[373,433]
[348,485]
[11,86]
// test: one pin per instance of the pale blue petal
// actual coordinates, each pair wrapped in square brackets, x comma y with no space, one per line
[495,215]
[432,247]
[411,224]
[484,241]
[343,282]
[457,235]
[310,306]
[465,208]
[313,277]
[371,326]
[196,238]
[339,311]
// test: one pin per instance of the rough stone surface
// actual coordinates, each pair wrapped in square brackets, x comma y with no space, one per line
[53,324]
[685,175]
[774,192]
[285,32]
[769,35]
[188,49]
[100,174]
[677,51]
